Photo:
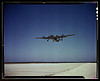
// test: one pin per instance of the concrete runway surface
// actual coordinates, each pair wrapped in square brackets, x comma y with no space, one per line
[88,70]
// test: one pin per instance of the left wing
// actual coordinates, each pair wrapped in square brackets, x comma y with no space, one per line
[42,37]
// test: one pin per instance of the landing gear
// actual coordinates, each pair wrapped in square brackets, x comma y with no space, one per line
[61,39]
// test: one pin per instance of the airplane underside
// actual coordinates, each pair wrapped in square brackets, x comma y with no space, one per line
[56,40]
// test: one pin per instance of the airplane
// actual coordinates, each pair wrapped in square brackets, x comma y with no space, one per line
[55,38]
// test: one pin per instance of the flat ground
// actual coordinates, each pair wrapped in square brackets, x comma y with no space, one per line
[88,70]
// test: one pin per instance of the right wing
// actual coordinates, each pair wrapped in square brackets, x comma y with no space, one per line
[68,35]
[65,36]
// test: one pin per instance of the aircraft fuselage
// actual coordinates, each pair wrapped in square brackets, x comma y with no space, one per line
[55,38]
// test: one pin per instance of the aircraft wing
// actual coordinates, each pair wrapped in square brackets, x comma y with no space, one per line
[66,36]
[42,38]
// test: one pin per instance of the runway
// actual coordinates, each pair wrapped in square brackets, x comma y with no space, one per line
[88,70]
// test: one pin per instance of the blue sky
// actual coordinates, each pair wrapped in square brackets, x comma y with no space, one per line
[24,22]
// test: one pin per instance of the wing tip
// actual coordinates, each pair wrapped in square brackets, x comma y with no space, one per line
[73,34]
[37,38]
